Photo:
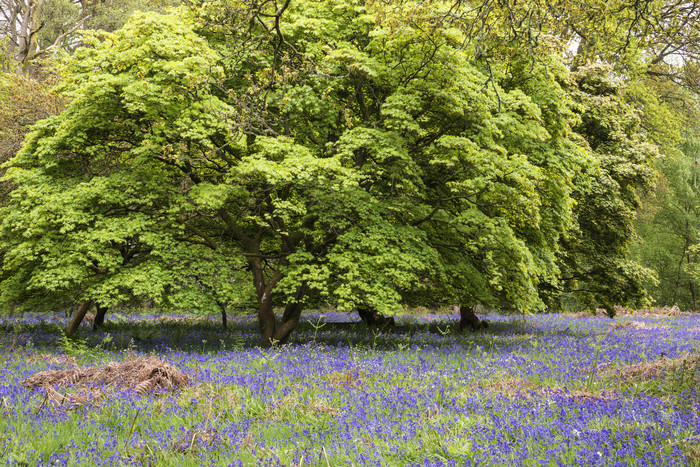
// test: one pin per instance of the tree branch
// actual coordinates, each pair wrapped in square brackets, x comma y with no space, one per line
[207,239]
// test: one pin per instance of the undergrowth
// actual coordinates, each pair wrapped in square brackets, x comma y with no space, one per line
[552,390]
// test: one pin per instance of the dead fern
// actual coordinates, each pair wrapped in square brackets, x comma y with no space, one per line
[141,375]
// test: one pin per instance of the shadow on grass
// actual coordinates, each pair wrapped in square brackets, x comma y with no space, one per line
[154,333]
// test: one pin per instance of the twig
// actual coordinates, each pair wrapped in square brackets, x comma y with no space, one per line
[194,436]
[46,397]
[153,454]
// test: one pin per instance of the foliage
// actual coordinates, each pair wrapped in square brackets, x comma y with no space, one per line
[100,234]
[25,102]
[670,233]
[32,31]
[112,15]
[595,254]
[668,224]
[352,153]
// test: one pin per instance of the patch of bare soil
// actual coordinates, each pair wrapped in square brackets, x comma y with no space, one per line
[141,375]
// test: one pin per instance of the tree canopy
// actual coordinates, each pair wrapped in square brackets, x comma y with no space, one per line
[365,154]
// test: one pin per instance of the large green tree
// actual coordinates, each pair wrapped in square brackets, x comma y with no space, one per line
[595,262]
[24,102]
[362,153]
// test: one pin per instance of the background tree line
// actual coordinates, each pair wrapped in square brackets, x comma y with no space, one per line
[520,155]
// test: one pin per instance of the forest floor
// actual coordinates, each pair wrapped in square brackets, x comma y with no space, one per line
[179,390]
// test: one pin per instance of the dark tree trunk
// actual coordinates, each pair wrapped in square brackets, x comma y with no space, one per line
[694,294]
[78,316]
[693,289]
[263,289]
[366,315]
[468,319]
[680,267]
[375,319]
[266,321]
[99,321]
[292,313]
[290,318]
[224,317]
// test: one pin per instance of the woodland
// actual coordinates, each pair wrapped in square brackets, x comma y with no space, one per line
[371,155]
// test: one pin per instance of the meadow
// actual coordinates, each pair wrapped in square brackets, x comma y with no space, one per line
[544,390]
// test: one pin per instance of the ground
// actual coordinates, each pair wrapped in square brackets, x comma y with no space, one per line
[538,390]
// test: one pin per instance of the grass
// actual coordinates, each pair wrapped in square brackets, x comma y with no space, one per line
[544,390]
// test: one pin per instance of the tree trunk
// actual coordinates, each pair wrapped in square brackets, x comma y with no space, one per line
[694,294]
[366,315]
[224,317]
[78,317]
[12,28]
[693,289]
[292,313]
[290,318]
[266,321]
[263,289]
[99,321]
[468,318]
[582,54]
[680,263]
[27,38]
[375,319]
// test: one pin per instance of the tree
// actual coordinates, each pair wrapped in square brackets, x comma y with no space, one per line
[103,231]
[670,232]
[595,257]
[31,29]
[25,101]
[669,223]
[22,24]
[341,151]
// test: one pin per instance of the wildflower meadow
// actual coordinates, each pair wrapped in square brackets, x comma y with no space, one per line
[543,390]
